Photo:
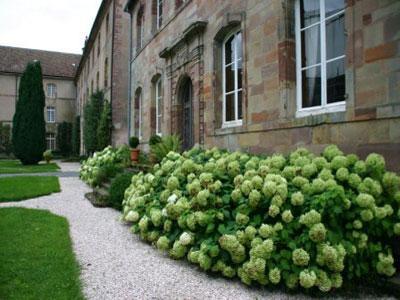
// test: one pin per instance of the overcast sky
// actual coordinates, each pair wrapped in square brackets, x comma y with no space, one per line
[47,24]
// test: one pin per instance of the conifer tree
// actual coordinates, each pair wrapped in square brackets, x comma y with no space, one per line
[29,128]
[104,129]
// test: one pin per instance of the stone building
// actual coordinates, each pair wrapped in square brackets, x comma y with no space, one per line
[104,65]
[267,75]
[58,82]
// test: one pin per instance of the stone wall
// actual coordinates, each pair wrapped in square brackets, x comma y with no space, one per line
[370,122]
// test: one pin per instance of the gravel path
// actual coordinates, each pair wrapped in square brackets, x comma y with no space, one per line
[117,265]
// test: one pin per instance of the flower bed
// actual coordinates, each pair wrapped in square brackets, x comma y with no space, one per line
[302,220]
[104,165]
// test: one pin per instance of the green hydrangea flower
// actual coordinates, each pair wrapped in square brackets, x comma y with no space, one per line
[385,265]
[274,275]
[300,257]
[317,233]
[254,198]
[310,218]
[331,151]
[297,199]
[236,250]
[163,243]
[242,219]
[342,174]
[172,183]
[287,216]
[307,278]
[132,216]
[396,229]
[375,164]
[273,210]
[265,231]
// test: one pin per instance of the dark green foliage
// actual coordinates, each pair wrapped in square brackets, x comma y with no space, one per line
[64,137]
[92,113]
[117,189]
[133,142]
[104,129]
[29,131]
[5,139]
[155,139]
[168,143]
[76,136]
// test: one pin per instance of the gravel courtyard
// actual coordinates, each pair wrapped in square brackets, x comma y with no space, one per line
[117,265]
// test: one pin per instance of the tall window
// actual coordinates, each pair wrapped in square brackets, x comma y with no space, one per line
[51,114]
[159,106]
[320,56]
[138,113]
[106,72]
[107,23]
[232,64]
[140,28]
[98,44]
[50,141]
[159,13]
[51,90]
[97,80]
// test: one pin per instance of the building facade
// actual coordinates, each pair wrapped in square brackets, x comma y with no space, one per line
[58,82]
[104,66]
[267,75]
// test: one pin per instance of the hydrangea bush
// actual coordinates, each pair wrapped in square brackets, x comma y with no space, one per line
[302,221]
[95,168]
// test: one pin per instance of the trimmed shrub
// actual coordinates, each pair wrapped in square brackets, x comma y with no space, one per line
[29,131]
[105,125]
[5,139]
[155,139]
[64,137]
[133,142]
[76,136]
[303,221]
[117,189]
[47,156]
[92,114]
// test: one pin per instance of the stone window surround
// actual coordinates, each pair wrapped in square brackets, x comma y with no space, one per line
[324,107]
[288,119]
[233,22]
[51,114]
[156,32]
[51,90]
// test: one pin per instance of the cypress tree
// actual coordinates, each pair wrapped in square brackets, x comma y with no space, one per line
[64,137]
[29,128]
[76,136]
[104,129]
[92,114]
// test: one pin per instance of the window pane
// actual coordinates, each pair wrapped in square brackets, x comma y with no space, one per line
[335,77]
[240,74]
[333,6]
[239,49]
[230,78]
[310,44]
[229,50]
[230,107]
[311,86]
[335,39]
[240,105]
[309,12]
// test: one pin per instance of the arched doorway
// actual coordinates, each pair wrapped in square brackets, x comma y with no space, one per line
[186,113]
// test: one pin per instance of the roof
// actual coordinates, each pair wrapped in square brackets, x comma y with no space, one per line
[92,36]
[54,64]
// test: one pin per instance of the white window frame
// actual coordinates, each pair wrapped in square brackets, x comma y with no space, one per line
[51,114]
[237,122]
[324,107]
[158,95]
[51,140]
[51,90]
[160,3]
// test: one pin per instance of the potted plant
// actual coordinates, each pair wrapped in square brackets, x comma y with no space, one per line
[133,143]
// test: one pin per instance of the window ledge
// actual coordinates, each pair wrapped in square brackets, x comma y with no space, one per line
[232,124]
[331,108]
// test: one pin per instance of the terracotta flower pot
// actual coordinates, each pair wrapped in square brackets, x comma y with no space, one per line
[135,155]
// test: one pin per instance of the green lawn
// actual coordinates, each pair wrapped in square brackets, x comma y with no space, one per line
[15,166]
[24,187]
[36,258]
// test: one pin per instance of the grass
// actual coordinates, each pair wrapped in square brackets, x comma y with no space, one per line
[36,258]
[14,166]
[24,187]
